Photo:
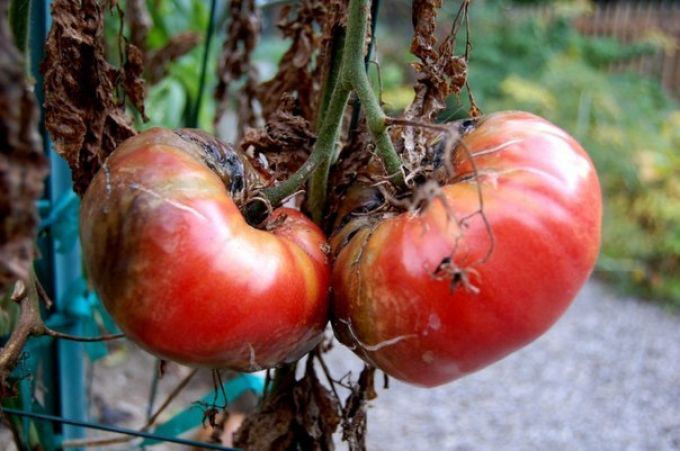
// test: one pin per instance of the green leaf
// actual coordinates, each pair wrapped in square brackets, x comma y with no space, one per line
[166,103]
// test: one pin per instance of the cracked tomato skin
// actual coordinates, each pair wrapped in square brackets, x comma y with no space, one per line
[429,297]
[184,275]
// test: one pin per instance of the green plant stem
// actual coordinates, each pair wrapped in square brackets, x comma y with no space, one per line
[323,150]
[331,79]
[352,75]
[354,71]
[318,185]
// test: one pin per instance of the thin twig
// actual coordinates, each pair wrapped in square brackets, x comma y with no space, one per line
[150,422]
[56,334]
[326,372]
[43,294]
[171,396]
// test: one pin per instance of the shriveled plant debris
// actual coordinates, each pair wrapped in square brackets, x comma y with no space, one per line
[134,84]
[440,73]
[289,102]
[243,30]
[297,414]
[155,62]
[284,144]
[22,164]
[140,22]
[296,72]
[354,415]
[84,114]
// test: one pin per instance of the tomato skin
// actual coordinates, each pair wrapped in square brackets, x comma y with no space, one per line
[429,297]
[185,276]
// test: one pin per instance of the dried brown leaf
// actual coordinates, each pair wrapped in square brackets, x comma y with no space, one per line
[82,113]
[22,164]
[317,411]
[333,30]
[157,62]
[140,22]
[133,71]
[283,144]
[354,417]
[439,72]
[296,73]
[243,30]
[299,414]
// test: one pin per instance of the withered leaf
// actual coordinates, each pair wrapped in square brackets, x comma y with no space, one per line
[133,71]
[440,73]
[157,62]
[269,428]
[22,164]
[296,73]
[299,414]
[243,30]
[317,411]
[285,142]
[354,416]
[82,113]
[140,22]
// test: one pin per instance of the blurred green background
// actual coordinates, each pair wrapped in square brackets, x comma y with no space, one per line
[528,56]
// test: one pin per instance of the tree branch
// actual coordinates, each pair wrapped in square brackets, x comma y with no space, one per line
[31,324]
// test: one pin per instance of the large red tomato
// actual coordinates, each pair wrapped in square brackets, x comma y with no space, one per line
[181,271]
[488,265]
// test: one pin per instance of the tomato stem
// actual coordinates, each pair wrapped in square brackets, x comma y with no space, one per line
[323,151]
[351,76]
[354,73]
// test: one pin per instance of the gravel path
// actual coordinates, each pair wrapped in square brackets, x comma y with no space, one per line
[606,377]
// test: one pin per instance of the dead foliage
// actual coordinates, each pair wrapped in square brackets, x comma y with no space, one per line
[296,70]
[439,72]
[297,414]
[84,112]
[22,164]
[330,48]
[133,82]
[157,62]
[354,417]
[140,22]
[243,30]
[289,102]
[284,144]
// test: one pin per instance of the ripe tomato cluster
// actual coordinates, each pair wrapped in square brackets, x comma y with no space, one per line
[428,295]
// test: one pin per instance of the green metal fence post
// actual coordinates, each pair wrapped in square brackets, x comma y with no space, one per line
[61,268]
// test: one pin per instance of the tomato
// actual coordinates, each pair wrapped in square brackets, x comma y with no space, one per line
[491,261]
[181,271]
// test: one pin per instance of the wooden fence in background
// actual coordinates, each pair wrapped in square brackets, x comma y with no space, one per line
[634,21]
